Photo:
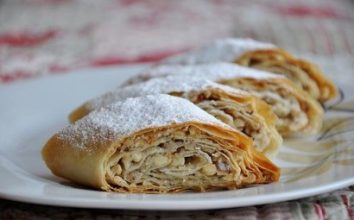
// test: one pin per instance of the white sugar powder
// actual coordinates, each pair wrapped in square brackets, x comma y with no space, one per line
[224,50]
[132,115]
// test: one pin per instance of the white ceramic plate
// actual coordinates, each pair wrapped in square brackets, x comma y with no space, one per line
[31,111]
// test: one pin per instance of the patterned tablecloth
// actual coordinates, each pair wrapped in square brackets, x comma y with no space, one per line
[41,37]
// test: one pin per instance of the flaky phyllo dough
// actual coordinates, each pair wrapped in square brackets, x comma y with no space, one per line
[156,144]
[266,57]
[237,108]
[297,112]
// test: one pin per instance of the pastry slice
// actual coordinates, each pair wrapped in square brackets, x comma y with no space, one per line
[264,56]
[235,107]
[156,144]
[297,112]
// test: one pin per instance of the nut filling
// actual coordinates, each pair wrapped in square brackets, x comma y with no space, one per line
[179,159]
[296,74]
[239,117]
[291,114]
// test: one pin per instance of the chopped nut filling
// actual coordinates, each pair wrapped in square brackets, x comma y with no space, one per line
[170,161]
[291,116]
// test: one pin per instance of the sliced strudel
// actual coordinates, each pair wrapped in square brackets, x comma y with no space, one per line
[156,144]
[266,57]
[235,107]
[297,112]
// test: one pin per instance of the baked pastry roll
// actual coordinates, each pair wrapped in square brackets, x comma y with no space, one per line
[297,112]
[264,56]
[235,107]
[156,144]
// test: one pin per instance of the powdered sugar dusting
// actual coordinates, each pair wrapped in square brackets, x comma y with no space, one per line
[124,118]
[159,86]
[211,71]
[224,50]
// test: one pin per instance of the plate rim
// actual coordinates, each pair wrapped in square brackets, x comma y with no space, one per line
[163,205]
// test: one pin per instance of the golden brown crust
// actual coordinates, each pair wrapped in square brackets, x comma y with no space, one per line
[71,162]
[327,87]
[280,59]
[78,113]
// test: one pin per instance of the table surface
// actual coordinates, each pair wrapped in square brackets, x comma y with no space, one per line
[43,37]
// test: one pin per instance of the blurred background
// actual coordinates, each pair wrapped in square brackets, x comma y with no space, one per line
[38,37]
